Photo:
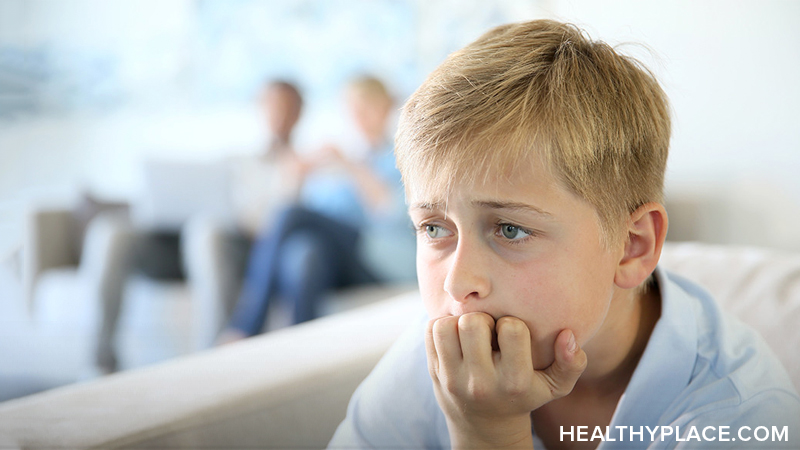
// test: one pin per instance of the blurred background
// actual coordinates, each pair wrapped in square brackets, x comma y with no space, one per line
[97,97]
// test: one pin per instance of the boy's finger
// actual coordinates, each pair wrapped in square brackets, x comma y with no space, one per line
[445,339]
[514,340]
[430,350]
[475,334]
[569,364]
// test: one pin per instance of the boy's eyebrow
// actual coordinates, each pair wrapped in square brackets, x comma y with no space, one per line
[494,204]
[428,205]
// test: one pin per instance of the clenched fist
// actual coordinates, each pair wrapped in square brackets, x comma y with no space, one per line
[486,388]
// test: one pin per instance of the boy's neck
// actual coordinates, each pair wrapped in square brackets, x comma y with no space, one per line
[594,398]
[621,341]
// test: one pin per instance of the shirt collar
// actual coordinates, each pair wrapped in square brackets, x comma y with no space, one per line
[667,363]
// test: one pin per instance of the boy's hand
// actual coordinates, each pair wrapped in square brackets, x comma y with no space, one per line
[487,393]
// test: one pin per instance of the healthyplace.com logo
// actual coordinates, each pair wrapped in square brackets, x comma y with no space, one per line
[664,433]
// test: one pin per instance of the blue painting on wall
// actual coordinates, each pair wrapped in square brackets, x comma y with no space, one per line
[68,56]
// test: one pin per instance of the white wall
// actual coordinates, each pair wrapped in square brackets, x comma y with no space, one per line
[732,72]
[175,80]
[53,160]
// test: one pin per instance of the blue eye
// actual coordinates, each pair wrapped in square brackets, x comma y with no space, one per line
[513,232]
[434,231]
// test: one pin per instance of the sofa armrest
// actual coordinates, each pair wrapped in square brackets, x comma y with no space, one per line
[287,389]
[48,244]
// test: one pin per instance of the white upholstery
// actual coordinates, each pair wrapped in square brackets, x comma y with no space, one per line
[160,319]
[65,297]
[289,389]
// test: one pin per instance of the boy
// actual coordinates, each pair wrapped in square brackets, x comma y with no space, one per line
[534,161]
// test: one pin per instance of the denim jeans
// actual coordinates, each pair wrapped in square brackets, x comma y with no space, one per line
[303,256]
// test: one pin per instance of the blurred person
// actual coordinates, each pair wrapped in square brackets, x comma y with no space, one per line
[210,252]
[263,182]
[348,228]
[216,252]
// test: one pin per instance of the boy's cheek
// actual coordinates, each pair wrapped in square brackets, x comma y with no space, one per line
[542,349]
[431,288]
[430,299]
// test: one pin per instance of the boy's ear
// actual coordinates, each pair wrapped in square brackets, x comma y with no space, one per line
[646,232]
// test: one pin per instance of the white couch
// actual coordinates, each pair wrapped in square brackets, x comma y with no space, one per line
[64,293]
[289,389]
[159,319]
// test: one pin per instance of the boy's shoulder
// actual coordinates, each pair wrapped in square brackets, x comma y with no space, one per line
[728,352]
[703,367]
[395,407]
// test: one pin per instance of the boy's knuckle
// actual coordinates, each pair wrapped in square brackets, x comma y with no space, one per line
[513,329]
[450,384]
[511,324]
[515,386]
[466,322]
[440,329]
[429,326]
[514,391]
[477,390]
[559,389]
[472,322]
[433,371]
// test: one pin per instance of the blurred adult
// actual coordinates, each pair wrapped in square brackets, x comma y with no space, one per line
[209,251]
[271,178]
[262,184]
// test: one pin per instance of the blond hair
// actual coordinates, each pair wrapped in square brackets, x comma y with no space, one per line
[370,88]
[598,119]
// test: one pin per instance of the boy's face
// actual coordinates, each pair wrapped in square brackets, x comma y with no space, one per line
[521,246]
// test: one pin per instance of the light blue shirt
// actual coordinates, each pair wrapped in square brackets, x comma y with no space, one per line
[701,368]
[387,244]
[335,194]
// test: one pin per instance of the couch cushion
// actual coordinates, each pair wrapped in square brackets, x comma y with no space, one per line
[64,324]
[287,389]
[155,322]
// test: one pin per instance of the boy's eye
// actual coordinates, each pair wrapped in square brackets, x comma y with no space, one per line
[513,232]
[435,231]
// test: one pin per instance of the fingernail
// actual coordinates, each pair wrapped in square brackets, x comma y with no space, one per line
[572,346]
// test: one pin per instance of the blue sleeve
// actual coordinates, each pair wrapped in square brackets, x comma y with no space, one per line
[333,194]
[395,406]
[385,166]
[388,243]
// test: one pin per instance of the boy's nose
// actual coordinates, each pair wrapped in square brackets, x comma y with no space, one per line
[467,279]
